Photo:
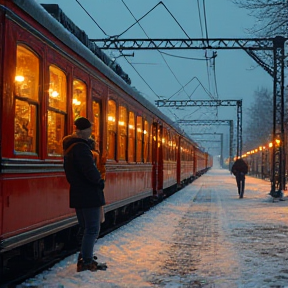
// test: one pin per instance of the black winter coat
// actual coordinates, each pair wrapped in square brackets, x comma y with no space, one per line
[86,185]
[239,166]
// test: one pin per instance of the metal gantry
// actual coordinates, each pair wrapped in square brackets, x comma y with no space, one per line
[276,45]
[216,134]
[210,103]
[213,122]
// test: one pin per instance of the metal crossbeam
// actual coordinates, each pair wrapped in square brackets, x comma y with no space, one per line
[204,103]
[184,43]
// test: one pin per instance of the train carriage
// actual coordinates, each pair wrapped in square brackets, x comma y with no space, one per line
[48,78]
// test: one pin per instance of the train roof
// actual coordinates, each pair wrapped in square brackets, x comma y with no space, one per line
[54,19]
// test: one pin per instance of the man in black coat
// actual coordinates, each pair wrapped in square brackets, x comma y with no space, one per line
[240,169]
[86,190]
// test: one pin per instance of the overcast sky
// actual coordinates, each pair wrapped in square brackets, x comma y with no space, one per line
[237,75]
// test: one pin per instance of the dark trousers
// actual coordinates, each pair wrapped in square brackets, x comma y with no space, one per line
[89,222]
[240,179]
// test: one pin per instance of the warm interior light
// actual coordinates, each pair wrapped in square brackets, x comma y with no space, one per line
[19,78]
[121,123]
[54,94]
[111,119]
[270,144]
[76,102]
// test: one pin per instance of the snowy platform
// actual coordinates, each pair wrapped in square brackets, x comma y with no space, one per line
[202,236]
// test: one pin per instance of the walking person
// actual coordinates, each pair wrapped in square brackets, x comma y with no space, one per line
[86,190]
[239,170]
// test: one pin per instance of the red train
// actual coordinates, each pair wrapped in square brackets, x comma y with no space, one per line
[49,76]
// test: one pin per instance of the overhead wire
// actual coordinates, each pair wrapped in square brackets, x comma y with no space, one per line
[92,18]
[149,38]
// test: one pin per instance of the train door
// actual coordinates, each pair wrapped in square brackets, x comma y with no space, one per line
[157,160]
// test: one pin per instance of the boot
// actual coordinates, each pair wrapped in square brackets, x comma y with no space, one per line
[82,266]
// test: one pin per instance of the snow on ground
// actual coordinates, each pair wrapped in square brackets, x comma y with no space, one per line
[202,236]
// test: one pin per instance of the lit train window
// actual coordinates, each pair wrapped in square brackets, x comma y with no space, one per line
[111,140]
[55,133]
[96,126]
[27,74]
[79,98]
[139,139]
[25,127]
[131,135]
[26,101]
[146,142]
[150,144]
[56,111]
[122,130]
[165,147]
[57,89]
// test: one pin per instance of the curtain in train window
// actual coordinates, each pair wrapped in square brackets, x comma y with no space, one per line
[122,130]
[79,98]
[96,126]
[111,140]
[56,111]
[26,101]
[131,135]
[146,142]
[139,139]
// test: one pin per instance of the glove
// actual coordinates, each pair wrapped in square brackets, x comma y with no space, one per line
[101,184]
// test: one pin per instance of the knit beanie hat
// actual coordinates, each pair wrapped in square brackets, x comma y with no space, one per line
[82,123]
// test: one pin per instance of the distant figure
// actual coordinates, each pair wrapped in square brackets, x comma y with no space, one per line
[239,170]
[86,191]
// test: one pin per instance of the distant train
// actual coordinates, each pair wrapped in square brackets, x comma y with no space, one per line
[48,77]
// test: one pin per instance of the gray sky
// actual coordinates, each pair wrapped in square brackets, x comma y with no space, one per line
[237,75]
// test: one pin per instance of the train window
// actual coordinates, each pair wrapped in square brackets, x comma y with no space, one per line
[174,148]
[79,98]
[27,74]
[57,89]
[139,139]
[131,135]
[170,158]
[25,127]
[150,144]
[57,110]
[165,146]
[55,133]
[146,142]
[111,140]
[122,130]
[96,126]
[159,137]
[26,100]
